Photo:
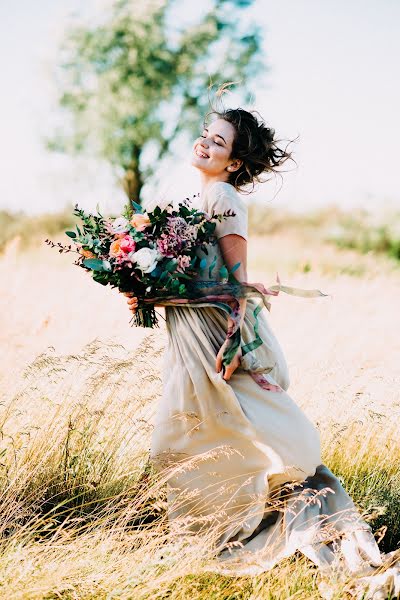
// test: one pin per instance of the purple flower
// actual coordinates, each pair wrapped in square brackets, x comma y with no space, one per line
[169,245]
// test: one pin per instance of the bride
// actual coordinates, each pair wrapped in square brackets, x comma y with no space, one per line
[244,458]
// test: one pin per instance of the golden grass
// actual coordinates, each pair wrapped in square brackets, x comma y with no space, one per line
[84,514]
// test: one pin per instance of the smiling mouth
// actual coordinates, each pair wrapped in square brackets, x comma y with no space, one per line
[200,154]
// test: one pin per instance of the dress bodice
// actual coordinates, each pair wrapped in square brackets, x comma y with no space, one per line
[219,197]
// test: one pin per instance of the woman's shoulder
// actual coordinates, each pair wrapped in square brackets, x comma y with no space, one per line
[223,196]
[222,192]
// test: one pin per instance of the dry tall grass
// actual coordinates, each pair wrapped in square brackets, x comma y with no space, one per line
[84,514]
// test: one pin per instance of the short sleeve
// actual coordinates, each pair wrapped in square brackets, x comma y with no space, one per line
[221,197]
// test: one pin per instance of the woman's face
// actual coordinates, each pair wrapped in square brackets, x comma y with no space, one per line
[211,151]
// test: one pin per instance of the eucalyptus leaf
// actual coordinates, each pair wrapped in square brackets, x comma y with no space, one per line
[203,263]
[155,272]
[138,208]
[223,272]
[94,263]
[235,267]
[71,234]
[170,265]
[212,266]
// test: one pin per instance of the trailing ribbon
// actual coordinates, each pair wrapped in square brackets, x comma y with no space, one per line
[203,293]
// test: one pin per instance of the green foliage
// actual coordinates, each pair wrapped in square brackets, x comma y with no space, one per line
[31,229]
[203,263]
[212,266]
[132,82]
[94,263]
[223,272]
[373,484]
[358,234]
[358,230]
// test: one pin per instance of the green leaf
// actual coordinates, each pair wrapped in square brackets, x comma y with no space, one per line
[156,271]
[223,272]
[235,267]
[94,263]
[203,263]
[170,265]
[100,278]
[138,208]
[71,234]
[212,266]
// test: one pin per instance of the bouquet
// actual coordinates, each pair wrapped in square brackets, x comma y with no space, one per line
[156,255]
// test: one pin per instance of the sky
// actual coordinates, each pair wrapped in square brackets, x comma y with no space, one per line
[332,82]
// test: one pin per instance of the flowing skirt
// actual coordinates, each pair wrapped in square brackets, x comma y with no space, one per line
[247,460]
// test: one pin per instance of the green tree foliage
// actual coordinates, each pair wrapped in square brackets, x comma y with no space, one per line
[123,78]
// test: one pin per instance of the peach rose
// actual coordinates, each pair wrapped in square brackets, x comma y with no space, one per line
[140,221]
[87,253]
[115,248]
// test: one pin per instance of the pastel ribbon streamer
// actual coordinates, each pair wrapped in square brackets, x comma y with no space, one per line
[225,295]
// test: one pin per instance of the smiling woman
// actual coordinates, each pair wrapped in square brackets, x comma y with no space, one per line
[243,457]
[240,146]
[212,152]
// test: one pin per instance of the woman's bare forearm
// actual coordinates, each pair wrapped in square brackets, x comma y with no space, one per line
[234,250]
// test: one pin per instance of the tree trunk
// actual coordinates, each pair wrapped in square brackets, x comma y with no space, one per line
[132,181]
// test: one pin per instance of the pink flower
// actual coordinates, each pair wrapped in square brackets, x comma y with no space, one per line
[127,244]
[183,263]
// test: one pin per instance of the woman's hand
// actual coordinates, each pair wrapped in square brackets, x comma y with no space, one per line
[232,366]
[132,301]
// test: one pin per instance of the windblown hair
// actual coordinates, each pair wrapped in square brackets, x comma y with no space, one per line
[255,144]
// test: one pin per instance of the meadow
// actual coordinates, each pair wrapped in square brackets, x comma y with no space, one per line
[83,512]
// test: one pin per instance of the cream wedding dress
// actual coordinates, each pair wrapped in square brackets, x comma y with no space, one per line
[245,459]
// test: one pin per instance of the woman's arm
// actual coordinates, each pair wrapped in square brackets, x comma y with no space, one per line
[234,249]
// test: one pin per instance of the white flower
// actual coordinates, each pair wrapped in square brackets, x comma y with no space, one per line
[146,259]
[120,225]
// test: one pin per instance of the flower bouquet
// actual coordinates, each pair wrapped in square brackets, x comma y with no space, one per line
[156,255]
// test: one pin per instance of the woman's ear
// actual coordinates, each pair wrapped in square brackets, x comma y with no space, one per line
[235,165]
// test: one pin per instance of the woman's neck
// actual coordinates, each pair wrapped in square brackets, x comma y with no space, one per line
[206,180]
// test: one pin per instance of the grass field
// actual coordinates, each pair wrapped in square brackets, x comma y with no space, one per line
[83,515]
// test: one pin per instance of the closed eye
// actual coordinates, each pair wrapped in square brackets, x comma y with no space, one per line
[203,136]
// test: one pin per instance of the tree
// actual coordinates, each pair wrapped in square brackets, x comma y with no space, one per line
[135,81]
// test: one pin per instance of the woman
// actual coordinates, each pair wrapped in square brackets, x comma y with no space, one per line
[244,457]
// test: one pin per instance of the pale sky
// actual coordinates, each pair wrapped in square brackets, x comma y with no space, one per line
[333,81]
